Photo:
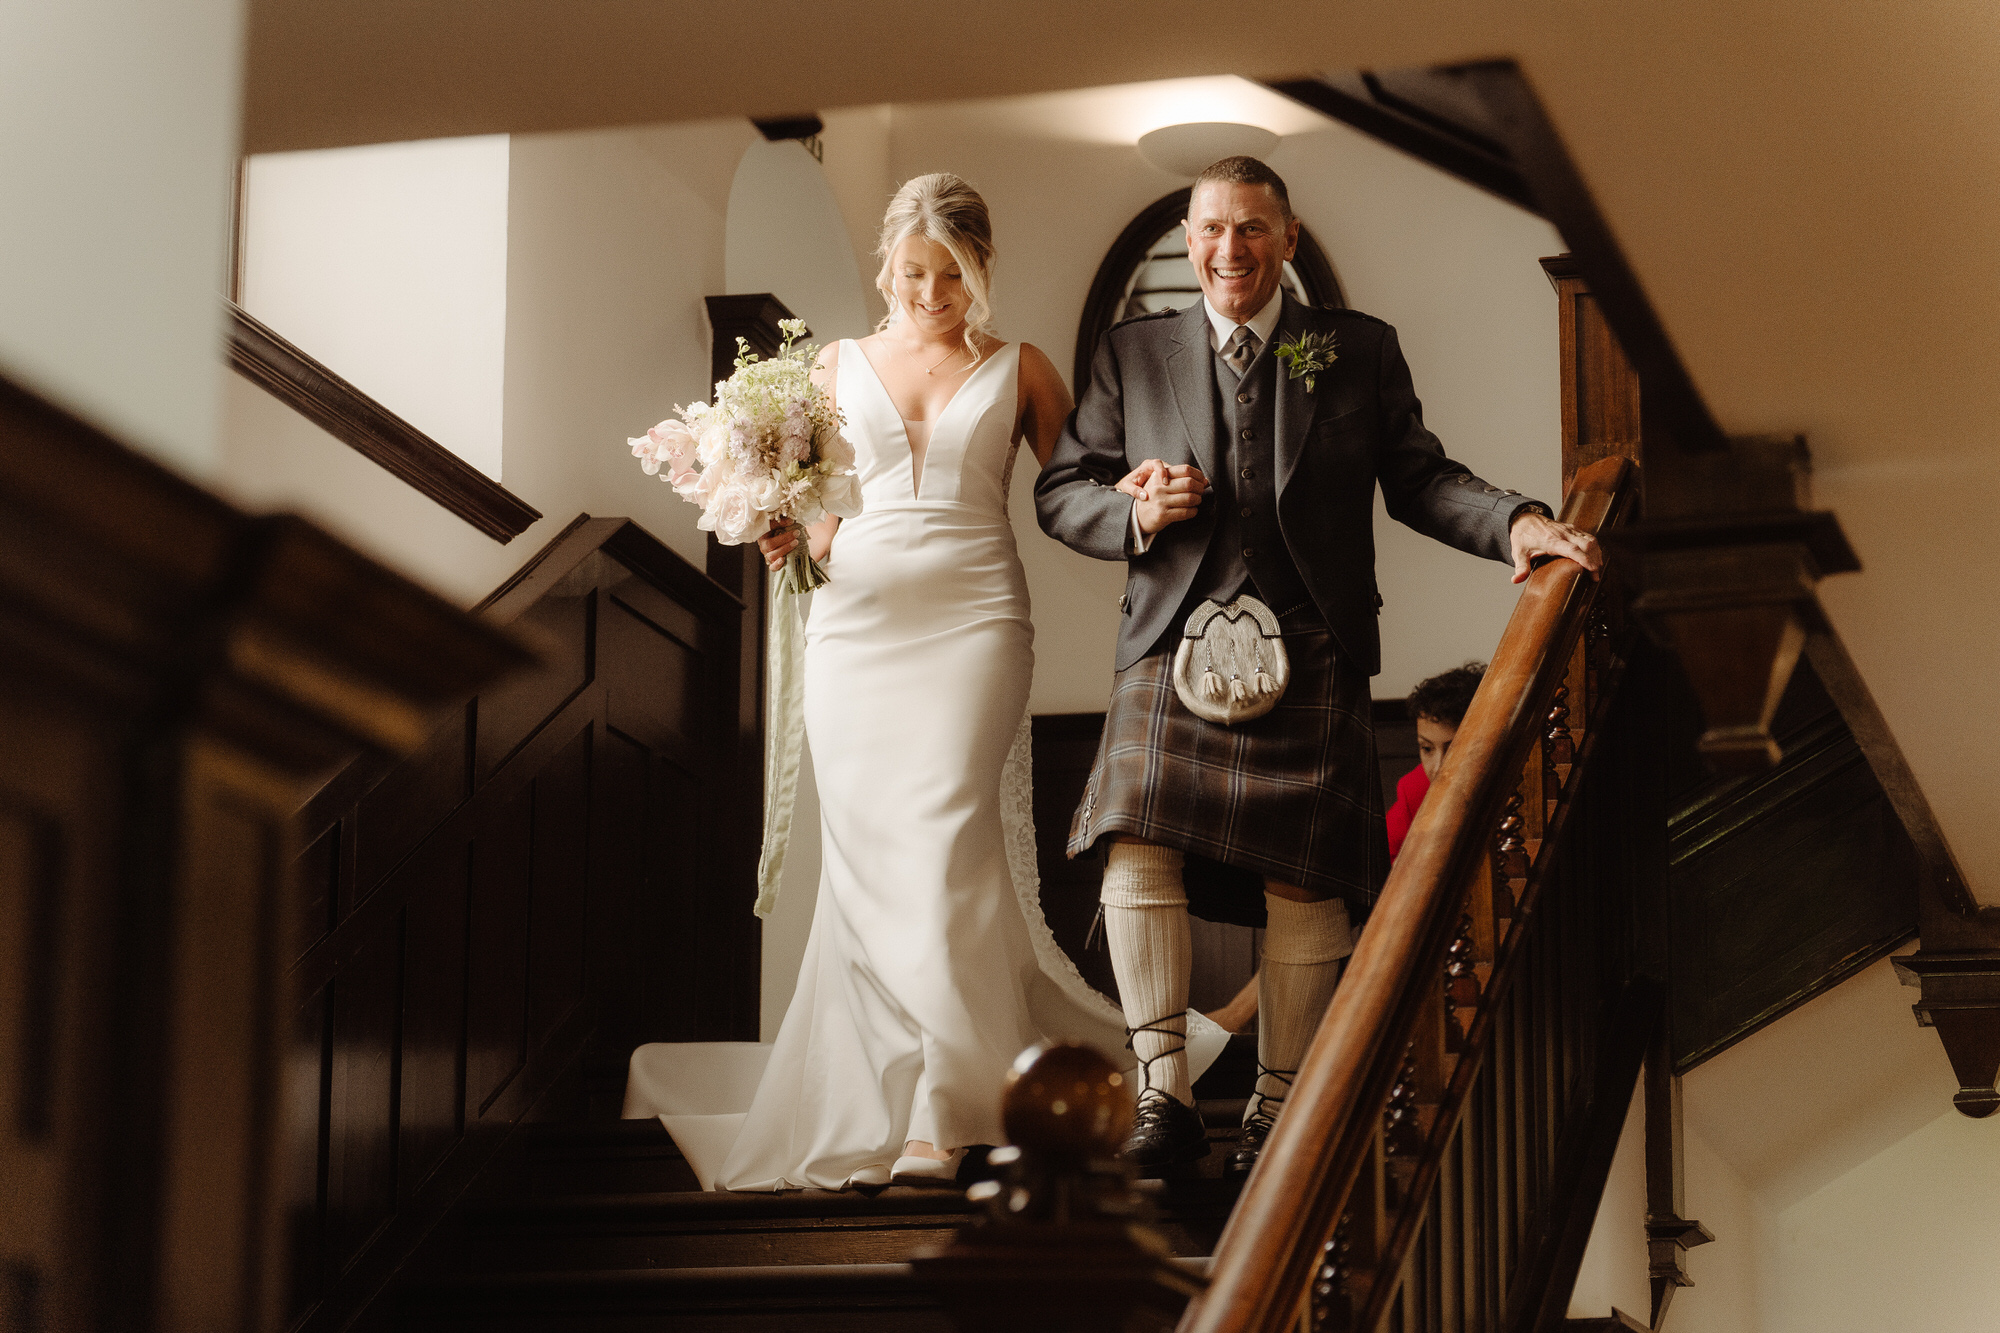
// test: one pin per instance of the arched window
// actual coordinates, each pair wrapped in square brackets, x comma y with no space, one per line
[1147,269]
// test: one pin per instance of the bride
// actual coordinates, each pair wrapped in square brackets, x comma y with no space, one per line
[929,967]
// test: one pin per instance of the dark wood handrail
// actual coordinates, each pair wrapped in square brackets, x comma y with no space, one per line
[1266,1257]
[267,359]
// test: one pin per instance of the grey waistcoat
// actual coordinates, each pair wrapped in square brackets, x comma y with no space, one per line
[1246,552]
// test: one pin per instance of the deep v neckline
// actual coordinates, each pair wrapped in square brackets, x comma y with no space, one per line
[903,426]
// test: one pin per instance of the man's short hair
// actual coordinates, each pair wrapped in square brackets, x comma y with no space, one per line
[1445,696]
[1242,171]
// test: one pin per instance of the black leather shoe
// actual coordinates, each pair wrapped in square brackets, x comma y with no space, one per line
[1166,1132]
[1256,1129]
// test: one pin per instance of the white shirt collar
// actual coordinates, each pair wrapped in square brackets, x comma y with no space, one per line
[1264,323]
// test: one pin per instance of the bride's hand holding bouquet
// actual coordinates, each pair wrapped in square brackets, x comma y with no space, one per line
[765,456]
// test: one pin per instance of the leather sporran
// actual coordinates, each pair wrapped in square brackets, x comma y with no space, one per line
[1231,665]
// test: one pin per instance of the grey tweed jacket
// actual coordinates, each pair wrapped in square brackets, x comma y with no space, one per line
[1152,395]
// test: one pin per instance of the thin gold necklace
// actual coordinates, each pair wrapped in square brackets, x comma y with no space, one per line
[941,360]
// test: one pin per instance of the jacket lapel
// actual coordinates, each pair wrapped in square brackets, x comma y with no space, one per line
[1295,405]
[1191,373]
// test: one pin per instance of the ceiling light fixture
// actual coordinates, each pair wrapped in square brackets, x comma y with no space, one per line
[1183,150]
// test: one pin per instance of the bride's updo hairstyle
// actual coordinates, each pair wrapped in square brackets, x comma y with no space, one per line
[946,211]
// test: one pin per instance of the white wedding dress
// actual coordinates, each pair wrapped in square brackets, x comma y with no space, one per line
[929,967]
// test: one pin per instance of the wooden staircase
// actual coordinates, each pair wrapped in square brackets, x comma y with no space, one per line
[599,1226]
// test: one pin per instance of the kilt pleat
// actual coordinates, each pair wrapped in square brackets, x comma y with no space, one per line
[1292,795]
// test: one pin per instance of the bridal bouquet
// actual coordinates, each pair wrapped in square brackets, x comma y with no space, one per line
[768,448]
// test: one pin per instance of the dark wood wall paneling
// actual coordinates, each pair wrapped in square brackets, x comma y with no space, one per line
[264,357]
[1782,885]
[174,675]
[489,927]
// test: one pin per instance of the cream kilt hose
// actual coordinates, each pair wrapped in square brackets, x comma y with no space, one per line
[1293,795]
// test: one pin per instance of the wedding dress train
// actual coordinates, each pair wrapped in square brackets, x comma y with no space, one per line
[929,966]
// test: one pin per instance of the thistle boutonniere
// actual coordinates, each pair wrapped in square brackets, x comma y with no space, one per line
[1307,355]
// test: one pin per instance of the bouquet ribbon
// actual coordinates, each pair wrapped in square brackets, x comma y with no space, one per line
[784,740]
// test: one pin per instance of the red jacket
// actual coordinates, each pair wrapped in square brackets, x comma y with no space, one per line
[1411,789]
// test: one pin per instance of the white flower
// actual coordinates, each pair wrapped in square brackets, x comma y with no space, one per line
[840,495]
[671,439]
[767,492]
[732,517]
[643,450]
[835,452]
[690,484]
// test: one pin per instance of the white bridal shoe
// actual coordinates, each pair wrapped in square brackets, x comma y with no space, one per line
[927,1170]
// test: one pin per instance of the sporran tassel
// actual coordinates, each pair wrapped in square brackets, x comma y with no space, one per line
[1211,687]
[1266,685]
[1238,691]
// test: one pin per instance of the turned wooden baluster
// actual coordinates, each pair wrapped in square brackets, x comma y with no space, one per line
[1461,987]
[1402,1133]
[1534,811]
[1510,854]
[1332,1301]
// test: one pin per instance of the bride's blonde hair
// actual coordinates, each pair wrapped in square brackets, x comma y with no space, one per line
[946,211]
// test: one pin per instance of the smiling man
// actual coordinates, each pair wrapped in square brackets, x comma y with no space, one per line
[1229,453]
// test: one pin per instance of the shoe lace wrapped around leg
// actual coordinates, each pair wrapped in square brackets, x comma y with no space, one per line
[1267,1106]
[1156,1025]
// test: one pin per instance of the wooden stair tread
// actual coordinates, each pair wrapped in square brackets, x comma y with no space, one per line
[697,1207]
[799,1229]
[836,1297]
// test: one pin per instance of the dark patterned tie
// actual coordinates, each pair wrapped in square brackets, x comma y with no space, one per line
[1242,350]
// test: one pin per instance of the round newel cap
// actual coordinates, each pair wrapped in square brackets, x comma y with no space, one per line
[1065,1099]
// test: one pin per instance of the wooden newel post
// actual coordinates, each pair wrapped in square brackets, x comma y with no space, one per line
[1730,553]
[1063,1245]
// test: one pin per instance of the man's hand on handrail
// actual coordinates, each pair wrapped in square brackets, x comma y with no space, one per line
[1534,537]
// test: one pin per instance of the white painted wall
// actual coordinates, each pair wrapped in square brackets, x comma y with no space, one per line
[120,139]
[388,264]
[785,236]
[1613,1273]
[854,150]
[612,240]
[1844,1193]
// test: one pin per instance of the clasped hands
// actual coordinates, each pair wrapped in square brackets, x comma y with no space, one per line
[1168,493]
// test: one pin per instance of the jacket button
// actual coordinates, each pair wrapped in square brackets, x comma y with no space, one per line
[1249,554]
[1242,397]
[1249,472]
[1245,511]
[1248,433]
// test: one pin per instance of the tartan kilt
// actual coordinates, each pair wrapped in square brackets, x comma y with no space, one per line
[1293,795]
